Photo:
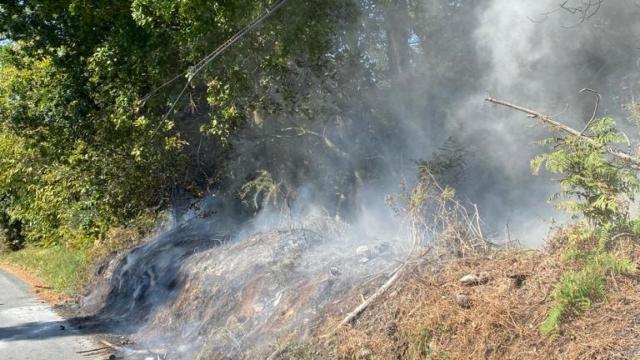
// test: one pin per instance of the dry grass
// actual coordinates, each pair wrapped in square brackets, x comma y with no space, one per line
[421,319]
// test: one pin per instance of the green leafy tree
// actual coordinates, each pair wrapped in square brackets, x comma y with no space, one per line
[84,96]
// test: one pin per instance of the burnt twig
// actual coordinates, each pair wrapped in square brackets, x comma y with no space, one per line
[129,352]
[96,350]
[396,274]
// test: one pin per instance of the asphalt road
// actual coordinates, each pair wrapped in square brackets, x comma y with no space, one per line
[31,330]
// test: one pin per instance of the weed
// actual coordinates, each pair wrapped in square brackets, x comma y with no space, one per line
[593,186]
[578,289]
[420,345]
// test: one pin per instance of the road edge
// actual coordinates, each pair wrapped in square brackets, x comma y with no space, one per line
[37,285]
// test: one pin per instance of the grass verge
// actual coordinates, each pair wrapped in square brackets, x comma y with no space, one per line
[66,270]
[63,270]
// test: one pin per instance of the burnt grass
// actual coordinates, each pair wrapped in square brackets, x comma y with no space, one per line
[427,314]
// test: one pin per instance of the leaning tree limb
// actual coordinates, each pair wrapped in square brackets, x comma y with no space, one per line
[548,120]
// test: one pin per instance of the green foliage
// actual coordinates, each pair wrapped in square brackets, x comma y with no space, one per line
[262,190]
[420,344]
[11,235]
[448,164]
[594,186]
[592,183]
[577,289]
[85,91]
[73,198]
[72,164]
[86,139]
[295,350]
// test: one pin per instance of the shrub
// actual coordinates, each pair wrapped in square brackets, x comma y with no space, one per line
[594,186]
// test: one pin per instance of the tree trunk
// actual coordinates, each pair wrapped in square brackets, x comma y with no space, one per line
[397,26]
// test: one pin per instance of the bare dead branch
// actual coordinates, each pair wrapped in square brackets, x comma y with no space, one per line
[595,109]
[358,310]
[631,160]
[586,9]
[96,350]
[328,143]
[626,138]
[121,349]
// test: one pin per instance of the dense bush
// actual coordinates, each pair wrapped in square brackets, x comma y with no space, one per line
[88,139]
[61,180]
[104,109]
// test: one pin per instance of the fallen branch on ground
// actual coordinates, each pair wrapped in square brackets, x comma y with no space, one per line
[366,303]
[357,311]
[548,120]
[96,350]
[128,351]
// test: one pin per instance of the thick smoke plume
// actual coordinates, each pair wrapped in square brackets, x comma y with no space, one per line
[352,151]
[541,54]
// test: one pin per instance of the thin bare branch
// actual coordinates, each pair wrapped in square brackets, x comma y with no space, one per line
[595,109]
[632,160]
[330,144]
[366,302]
[586,9]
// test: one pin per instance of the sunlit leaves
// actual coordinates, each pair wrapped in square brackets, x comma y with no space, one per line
[592,183]
[84,93]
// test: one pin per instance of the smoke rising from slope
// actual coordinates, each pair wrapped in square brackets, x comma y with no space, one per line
[368,121]
[439,59]
[541,55]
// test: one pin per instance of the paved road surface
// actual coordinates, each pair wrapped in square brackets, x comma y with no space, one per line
[30,330]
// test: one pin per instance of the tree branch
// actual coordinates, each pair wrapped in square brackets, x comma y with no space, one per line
[595,109]
[548,120]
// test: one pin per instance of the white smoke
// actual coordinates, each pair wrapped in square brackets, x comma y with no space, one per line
[540,55]
[530,53]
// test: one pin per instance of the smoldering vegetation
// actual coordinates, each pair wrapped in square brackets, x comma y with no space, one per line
[204,288]
[232,283]
[199,290]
